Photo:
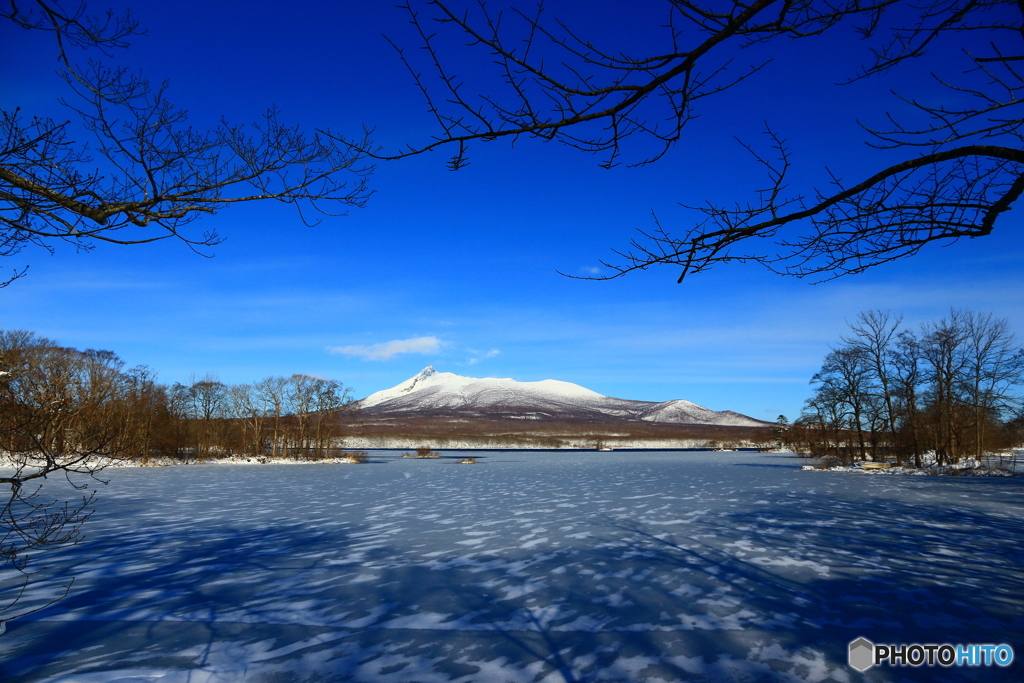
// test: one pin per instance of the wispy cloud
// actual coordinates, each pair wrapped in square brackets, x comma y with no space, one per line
[477,357]
[389,349]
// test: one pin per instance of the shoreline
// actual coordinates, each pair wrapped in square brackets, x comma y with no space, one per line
[966,468]
[346,457]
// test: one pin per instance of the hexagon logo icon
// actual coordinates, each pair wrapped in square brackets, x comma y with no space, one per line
[862,654]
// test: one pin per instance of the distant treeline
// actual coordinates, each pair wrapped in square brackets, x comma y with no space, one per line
[896,394]
[66,406]
[457,430]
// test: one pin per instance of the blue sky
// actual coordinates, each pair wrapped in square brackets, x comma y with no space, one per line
[459,270]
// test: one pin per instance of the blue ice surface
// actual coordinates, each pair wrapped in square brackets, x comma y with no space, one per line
[529,566]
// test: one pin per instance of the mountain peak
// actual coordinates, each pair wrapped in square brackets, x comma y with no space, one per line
[411,383]
[433,392]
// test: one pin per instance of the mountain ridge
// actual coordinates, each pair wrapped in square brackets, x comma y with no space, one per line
[443,394]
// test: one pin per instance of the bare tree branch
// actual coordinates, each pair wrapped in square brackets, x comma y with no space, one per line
[962,173]
[562,102]
[147,174]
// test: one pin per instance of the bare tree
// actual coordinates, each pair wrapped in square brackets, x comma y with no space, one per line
[963,166]
[147,412]
[247,407]
[302,390]
[948,390]
[821,429]
[62,412]
[943,351]
[209,397]
[908,381]
[845,381]
[146,174]
[300,410]
[272,395]
[873,337]
[331,398]
[994,365]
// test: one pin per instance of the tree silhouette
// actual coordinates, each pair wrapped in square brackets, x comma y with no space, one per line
[963,166]
[131,170]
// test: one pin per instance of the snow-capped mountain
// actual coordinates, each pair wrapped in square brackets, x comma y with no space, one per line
[432,393]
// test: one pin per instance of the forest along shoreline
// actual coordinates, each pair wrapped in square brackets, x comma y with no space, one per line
[1005,464]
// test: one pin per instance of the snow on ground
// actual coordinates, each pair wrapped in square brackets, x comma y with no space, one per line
[1005,464]
[538,567]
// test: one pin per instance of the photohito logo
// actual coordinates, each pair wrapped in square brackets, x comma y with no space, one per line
[864,654]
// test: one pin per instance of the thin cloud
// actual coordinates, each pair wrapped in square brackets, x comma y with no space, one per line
[476,359]
[389,349]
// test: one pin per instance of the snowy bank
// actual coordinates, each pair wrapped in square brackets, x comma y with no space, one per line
[966,468]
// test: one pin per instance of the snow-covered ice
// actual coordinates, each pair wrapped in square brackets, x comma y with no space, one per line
[531,566]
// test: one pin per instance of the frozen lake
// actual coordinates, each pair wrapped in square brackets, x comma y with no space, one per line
[625,566]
